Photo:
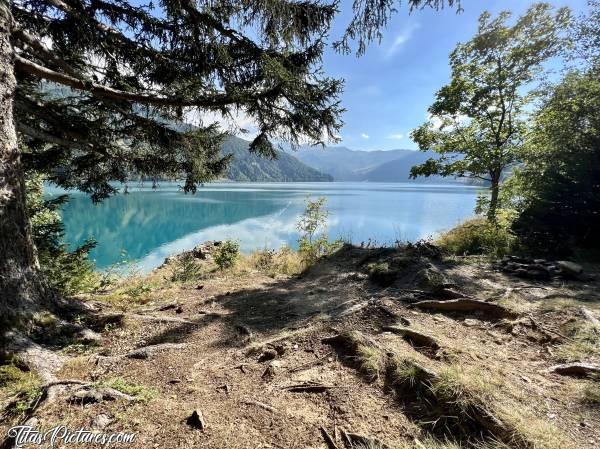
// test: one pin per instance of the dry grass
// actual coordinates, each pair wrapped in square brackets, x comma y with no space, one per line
[370,361]
[282,262]
[584,343]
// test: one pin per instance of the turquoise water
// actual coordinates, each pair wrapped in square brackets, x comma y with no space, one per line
[151,225]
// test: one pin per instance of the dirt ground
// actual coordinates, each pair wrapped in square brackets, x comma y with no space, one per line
[242,340]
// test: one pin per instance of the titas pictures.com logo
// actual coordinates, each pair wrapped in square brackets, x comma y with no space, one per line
[61,435]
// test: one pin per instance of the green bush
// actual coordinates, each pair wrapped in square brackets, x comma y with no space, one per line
[186,269]
[477,237]
[312,244]
[226,254]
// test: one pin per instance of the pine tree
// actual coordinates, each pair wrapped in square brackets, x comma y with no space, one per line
[99,89]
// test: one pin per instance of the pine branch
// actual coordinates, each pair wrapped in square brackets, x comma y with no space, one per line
[214,101]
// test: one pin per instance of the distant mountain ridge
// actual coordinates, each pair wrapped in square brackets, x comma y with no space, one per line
[345,164]
[248,167]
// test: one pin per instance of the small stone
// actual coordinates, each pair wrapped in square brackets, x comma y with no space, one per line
[32,422]
[179,310]
[101,421]
[174,381]
[268,354]
[196,420]
[470,322]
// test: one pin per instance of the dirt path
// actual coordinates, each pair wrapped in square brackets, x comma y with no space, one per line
[242,342]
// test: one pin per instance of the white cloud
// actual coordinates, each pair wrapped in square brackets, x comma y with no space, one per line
[364,136]
[396,136]
[402,38]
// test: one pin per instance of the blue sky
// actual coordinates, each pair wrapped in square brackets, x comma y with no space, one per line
[389,89]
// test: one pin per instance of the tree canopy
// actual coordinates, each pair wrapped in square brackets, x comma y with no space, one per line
[478,120]
[101,82]
[555,192]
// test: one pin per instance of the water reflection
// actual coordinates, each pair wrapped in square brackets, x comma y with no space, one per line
[150,225]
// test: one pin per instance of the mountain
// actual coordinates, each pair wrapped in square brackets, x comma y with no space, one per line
[345,164]
[246,166]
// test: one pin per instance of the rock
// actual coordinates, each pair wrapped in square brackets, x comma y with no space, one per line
[431,279]
[196,420]
[570,268]
[89,336]
[32,422]
[84,397]
[470,322]
[101,421]
[267,354]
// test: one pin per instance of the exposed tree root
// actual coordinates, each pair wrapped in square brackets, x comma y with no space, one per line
[591,318]
[576,369]
[148,351]
[44,362]
[412,336]
[328,439]
[159,319]
[467,305]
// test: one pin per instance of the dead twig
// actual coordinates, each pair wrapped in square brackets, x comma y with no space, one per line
[261,405]
[328,439]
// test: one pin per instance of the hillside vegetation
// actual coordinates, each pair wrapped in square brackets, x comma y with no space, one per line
[246,166]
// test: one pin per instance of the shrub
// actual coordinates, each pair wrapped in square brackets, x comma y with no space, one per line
[226,254]
[186,269]
[313,244]
[477,236]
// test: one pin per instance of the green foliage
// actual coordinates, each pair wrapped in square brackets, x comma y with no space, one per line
[226,254]
[477,236]
[314,242]
[69,271]
[186,269]
[140,392]
[555,192]
[25,386]
[478,120]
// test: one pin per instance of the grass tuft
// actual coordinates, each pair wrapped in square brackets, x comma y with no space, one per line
[141,392]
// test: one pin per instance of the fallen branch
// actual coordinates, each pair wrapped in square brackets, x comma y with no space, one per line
[261,405]
[309,388]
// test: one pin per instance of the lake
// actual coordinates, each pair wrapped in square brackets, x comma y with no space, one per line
[149,225]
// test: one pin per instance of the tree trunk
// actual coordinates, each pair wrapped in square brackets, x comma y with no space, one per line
[21,286]
[491,215]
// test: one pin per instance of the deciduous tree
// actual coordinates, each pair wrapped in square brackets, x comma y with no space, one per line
[478,120]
